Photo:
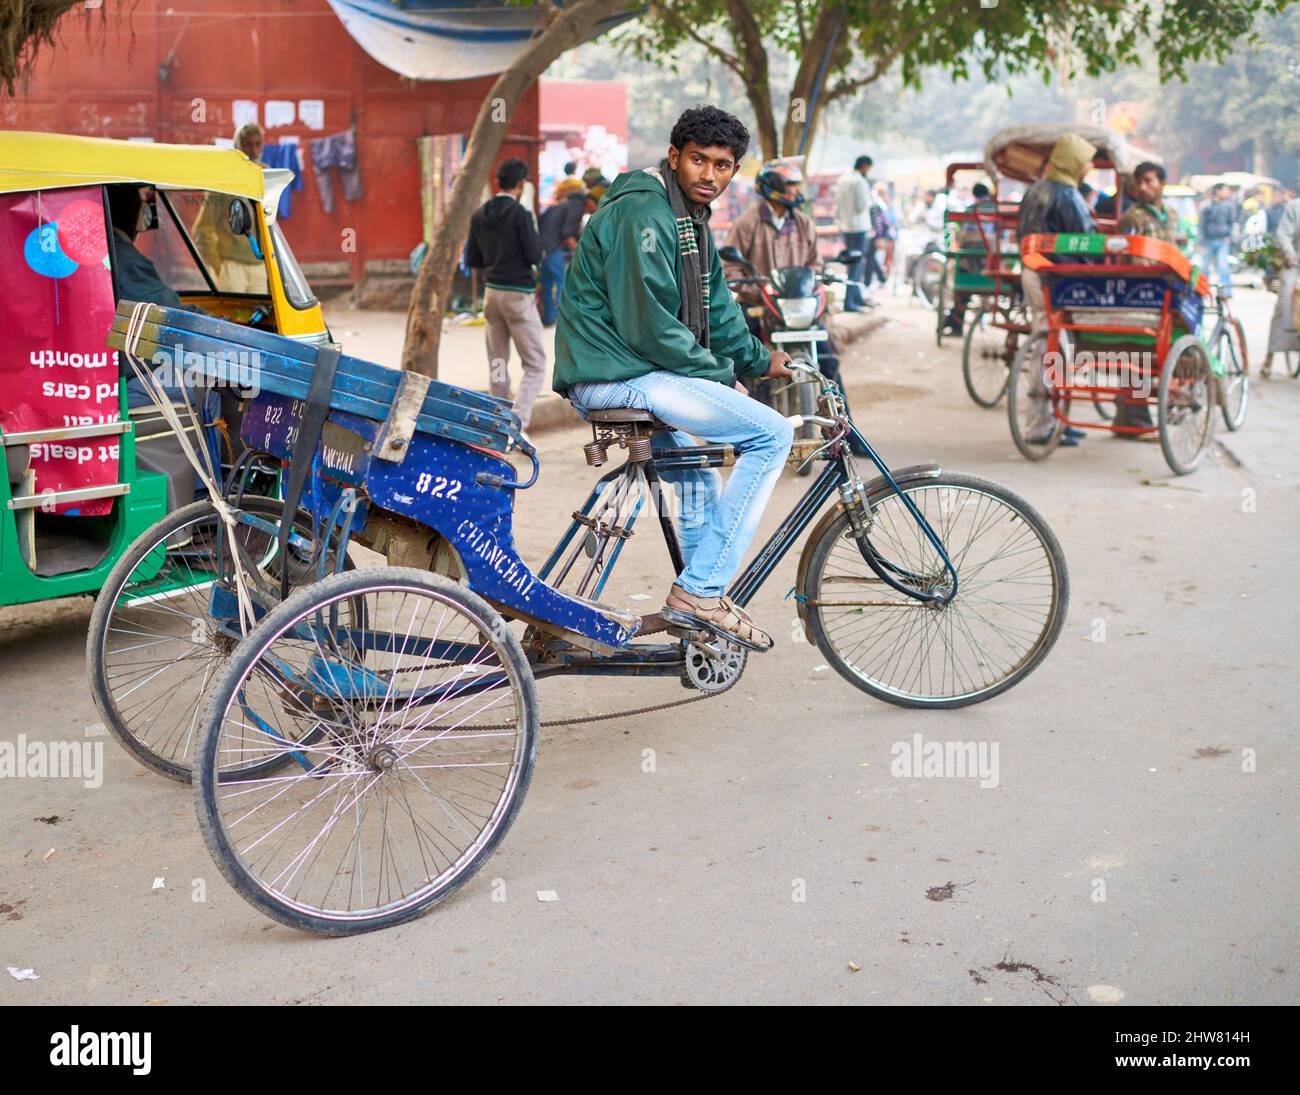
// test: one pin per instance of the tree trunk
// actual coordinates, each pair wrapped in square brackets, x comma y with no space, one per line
[806,99]
[563,29]
[752,51]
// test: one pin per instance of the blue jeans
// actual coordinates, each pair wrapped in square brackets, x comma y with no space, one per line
[855,241]
[716,524]
[552,284]
[1216,259]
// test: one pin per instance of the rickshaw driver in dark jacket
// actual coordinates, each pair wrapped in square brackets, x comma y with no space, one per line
[646,321]
[138,278]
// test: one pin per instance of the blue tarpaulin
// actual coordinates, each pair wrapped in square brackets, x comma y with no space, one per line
[443,39]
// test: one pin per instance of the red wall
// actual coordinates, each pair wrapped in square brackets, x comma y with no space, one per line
[583,103]
[109,86]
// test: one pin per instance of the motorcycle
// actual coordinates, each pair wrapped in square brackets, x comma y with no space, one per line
[790,314]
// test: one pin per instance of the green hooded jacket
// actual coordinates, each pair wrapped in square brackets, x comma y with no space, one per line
[619,312]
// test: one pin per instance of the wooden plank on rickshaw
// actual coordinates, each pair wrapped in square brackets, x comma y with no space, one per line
[297,350]
[221,352]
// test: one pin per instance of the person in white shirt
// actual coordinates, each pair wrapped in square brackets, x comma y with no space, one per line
[853,202]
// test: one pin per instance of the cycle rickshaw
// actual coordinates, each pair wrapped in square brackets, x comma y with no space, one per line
[361,744]
[1127,322]
[982,280]
[1015,158]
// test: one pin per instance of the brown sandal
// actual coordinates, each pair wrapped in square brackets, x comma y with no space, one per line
[717,614]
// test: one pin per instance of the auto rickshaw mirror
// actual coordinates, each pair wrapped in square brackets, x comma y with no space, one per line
[240,217]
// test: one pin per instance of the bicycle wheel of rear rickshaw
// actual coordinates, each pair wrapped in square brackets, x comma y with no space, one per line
[408,716]
[1013,591]
[151,649]
[928,277]
[1234,384]
[1031,403]
[1187,402]
[984,365]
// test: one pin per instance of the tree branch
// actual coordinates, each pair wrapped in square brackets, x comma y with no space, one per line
[883,64]
[679,22]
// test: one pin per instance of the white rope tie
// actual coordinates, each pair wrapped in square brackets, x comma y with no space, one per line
[203,465]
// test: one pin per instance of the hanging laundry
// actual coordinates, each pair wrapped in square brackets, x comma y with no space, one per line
[336,151]
[284,155]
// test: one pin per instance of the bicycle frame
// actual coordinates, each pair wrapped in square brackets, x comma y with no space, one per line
[838,477]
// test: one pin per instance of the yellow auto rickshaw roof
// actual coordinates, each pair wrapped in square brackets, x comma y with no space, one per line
[48,161]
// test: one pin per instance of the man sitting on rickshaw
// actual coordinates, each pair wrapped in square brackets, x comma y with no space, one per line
[1148,216]
[646,322]
[973,253]
[1054,205]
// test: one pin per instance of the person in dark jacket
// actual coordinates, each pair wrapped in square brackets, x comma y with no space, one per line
[503,241]
[1053,205]
[1217,219]
[560,227]
[137,277]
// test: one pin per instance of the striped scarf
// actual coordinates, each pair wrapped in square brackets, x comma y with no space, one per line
[695,242]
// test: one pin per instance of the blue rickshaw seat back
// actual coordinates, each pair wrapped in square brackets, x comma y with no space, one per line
[448,480]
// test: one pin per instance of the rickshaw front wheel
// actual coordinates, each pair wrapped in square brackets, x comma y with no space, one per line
[984,366]
[1234,384]
[1013,593]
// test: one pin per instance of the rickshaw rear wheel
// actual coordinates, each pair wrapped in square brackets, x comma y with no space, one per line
[1187,403]
[984,365]
[428,719]
[151,649]
[1029,398]
[1234,384]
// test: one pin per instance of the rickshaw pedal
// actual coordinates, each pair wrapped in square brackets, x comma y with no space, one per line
[652,623]
[698,631]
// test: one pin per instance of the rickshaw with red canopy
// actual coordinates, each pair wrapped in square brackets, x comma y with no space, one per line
[1014,159]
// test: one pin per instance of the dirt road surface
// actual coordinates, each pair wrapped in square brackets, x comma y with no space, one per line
[1139,847]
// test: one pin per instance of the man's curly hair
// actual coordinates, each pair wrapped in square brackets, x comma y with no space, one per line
[710,127]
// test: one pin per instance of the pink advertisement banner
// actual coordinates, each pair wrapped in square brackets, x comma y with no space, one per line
[56,306]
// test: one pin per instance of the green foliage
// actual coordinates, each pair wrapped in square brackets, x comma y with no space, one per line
[963,37]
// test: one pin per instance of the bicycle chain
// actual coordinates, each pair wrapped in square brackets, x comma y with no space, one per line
[601,718]
[593,718]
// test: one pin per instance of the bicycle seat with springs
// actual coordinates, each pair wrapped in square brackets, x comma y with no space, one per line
[629,427]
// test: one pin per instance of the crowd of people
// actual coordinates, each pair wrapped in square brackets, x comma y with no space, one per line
[888,228]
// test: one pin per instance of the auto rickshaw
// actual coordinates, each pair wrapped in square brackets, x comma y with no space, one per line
[86,470]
